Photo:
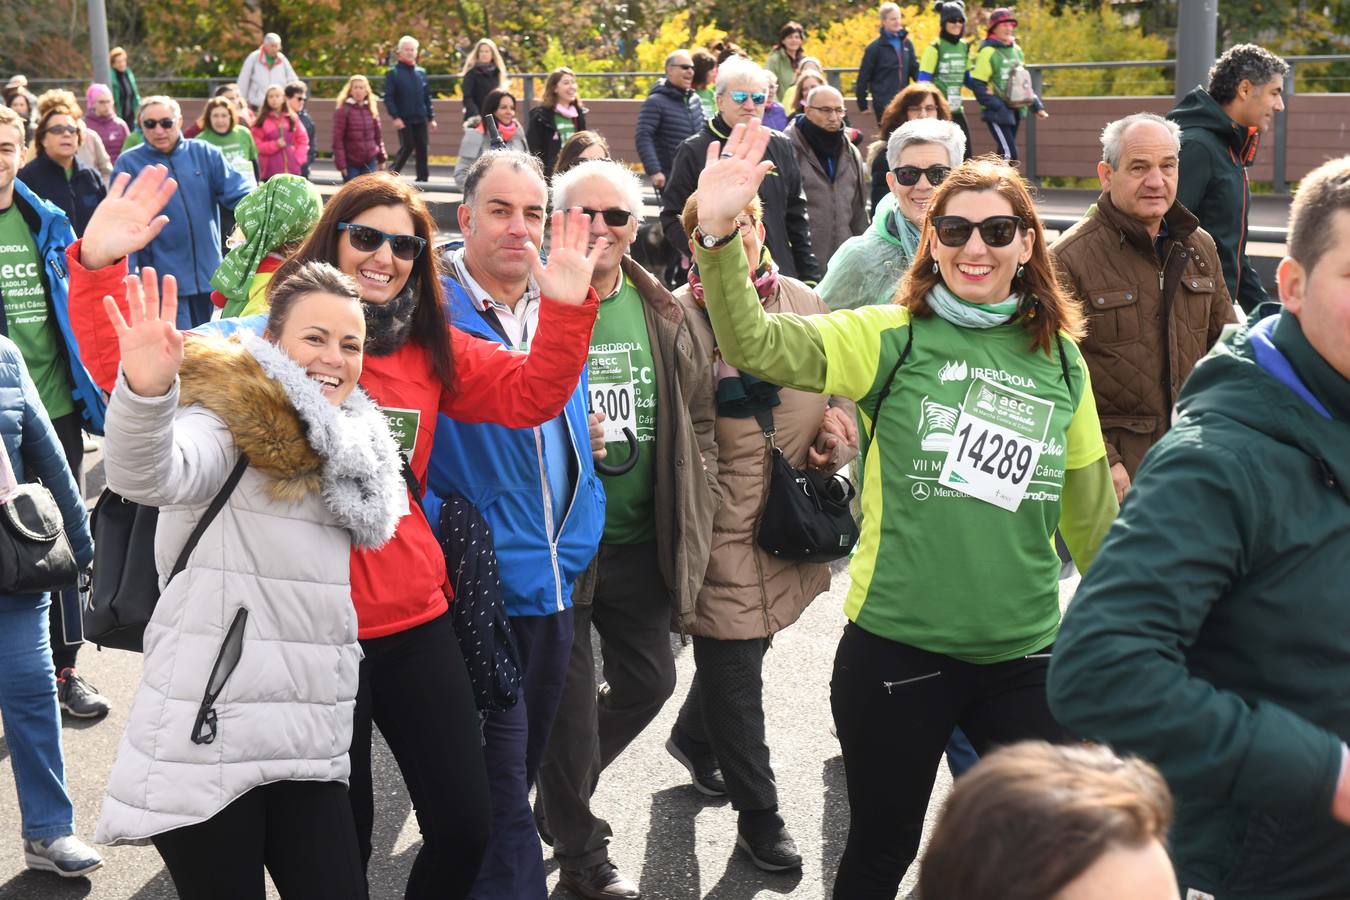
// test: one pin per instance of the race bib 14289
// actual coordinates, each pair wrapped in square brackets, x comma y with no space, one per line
[999,437]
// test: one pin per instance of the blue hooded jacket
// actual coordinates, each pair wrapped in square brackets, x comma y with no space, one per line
[189,246]
[52,234]
[501,471]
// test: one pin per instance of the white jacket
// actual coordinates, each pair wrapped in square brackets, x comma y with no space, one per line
[256,76]
[279,549]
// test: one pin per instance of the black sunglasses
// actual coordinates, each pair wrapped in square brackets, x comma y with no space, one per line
[613,217]
[909,175]
[151,124]
[995,231]
[62,129]
[368,240]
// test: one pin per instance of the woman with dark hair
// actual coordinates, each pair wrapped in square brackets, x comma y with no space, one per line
[218,125]
[581,147]
[56,175]
[283,142]
[557,117]
[705,78]
[946,61]
[378,230]
[501,105]
[921,100]
[954,604]
[786,56]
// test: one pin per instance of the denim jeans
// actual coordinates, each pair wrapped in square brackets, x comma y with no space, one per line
[354,171]
[32,718]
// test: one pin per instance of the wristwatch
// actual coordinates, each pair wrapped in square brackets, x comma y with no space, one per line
[710,241]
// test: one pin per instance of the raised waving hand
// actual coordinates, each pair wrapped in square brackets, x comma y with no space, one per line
[731,176]
[567,275]
[129,218]
[151,345]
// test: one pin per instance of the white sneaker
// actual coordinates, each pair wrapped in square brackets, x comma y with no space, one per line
[67,856]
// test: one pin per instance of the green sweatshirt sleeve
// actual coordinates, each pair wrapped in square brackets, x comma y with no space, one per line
[783,348]
[1120,674]
[929,60]
[1087,511]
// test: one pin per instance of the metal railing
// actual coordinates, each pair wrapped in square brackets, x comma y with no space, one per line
[634,82]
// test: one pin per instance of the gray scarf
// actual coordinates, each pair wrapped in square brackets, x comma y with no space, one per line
[389,324]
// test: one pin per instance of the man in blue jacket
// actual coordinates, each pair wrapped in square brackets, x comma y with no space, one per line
[190,250]
[671,113]
[407,96]
[889,63]
[536,487]
[34,235]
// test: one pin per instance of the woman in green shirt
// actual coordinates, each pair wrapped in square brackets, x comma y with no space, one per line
[983,439]
[219,126]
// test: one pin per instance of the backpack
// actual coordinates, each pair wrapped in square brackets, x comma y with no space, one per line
[126,583]
[1018,91]
[478,612]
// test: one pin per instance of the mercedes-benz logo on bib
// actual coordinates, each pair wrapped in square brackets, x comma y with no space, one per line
[920,491]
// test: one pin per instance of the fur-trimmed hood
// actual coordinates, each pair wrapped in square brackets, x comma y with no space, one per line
[290,432]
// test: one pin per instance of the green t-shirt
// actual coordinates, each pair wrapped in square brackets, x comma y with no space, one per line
[237,147]
[27,315]
[948,63]
[622,379]
[924,592]
[565,125]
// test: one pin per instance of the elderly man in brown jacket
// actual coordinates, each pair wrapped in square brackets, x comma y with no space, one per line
[1151,286]
[647,374]
[832,173]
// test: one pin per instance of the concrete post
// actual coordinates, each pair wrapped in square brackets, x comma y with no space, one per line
[98,41]
[1197,37]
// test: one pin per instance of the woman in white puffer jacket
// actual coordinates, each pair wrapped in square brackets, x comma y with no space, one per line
[235,754]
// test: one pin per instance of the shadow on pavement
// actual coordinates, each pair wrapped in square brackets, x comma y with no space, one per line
[670,865]
[833,821]
[157,888]
[742,881]
[27,885]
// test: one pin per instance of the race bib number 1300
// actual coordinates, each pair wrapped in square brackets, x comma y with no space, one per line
[612,392]
[999,437]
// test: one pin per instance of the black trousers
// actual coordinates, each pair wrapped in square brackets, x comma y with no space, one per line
[894,708]
[415,687]
[412,138]
[301,831]
[64,621]
[630,609]
[1005,139]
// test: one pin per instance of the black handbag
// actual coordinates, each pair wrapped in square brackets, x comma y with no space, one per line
[806,513]
[126,582]
[35,556]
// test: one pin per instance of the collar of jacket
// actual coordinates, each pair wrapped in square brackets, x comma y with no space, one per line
[1326,384]
[38,214]
[1181,224]
[652,292]
[718,126]
[897,38]
[281,421]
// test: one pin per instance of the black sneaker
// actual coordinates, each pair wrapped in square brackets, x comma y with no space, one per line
[78,697]
[771,849]
[599,882]
[703,768]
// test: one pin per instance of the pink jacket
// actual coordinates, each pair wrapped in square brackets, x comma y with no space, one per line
[273,159]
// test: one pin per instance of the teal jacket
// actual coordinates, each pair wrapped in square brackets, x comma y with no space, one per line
[1212,636]
[1212,184]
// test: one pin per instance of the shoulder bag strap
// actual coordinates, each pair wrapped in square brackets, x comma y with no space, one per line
[211,512]
[886,388]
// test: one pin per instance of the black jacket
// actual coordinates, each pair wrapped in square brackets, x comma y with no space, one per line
[76,197]
[477,84]
[787,232]
[668,116]
[1212,184]
[541,133]
[884,72]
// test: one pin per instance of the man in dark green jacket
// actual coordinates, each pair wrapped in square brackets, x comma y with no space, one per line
[1220,127]
[1212,636]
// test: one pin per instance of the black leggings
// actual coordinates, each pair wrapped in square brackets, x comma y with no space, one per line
[67,602]
[302,831]
[415,687]
[894,708]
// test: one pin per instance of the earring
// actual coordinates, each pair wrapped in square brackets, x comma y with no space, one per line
[935,268]
[1018,274]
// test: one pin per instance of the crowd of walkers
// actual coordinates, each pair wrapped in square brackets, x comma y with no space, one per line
[401,480]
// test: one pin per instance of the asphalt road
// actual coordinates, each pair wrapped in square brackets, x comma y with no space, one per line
[677,844]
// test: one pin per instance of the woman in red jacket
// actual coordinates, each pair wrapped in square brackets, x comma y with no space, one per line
[358,140]
[283,143]
[413,681]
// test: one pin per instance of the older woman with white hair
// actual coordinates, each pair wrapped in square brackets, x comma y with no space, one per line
[648,375]
[742,95]
[867,268]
